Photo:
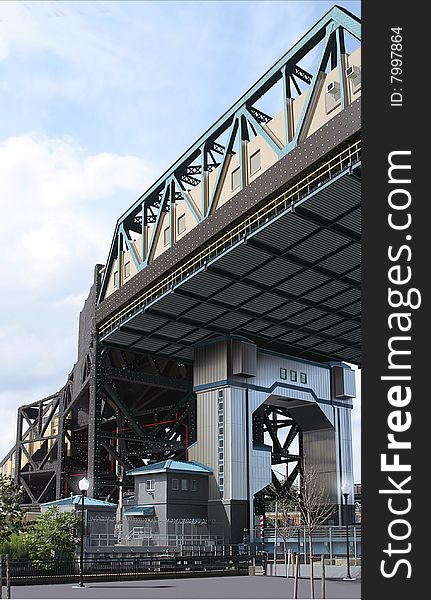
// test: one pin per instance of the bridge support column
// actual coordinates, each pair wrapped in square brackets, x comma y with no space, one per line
[224,432]
[233,381]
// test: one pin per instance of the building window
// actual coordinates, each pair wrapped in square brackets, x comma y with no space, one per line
[220,430]
[221,481]
[115,278]
[221,469]
[175,484]
[221,394]
[181,223]
[303,377]
[127,269]
[235,179]
[150,485]
[220,443]
[220,455]
[166,236]
[220,418]
[194,485]
[283,373]
[293,376]
[255,162]
[185,485]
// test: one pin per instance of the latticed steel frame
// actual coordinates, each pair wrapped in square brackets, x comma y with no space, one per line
[236,125]
[284,432]
[119,407]
[116,409]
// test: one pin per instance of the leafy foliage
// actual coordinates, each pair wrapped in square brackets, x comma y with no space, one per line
[16,547]
[54,535]
[11,514]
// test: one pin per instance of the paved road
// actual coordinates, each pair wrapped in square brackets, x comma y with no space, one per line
[217,587]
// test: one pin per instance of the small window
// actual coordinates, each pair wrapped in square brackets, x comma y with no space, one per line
[175,484]
[166,236]
[220,443]
[220,418]
[115,278]
[293,376]
[221,394]
[220,430]
[221,481]
[185,485]
[283,373]
[181,224]
[220,455]
[255,162]
[150,485]
[194,485]
[127,269]
[303,377]
[220,404]
[235,181]
[221,469]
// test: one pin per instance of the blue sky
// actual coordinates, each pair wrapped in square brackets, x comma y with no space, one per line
[97,100]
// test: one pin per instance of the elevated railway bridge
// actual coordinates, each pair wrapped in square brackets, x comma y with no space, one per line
[221,326]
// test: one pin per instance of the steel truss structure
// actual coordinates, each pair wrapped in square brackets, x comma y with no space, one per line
[116,409]
[235,128]
[120,405]
[284,432]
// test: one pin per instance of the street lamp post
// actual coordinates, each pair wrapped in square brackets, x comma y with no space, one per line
[84,484]
[345,492]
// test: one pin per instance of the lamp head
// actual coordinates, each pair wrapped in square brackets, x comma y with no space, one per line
[84,484]
[345,490]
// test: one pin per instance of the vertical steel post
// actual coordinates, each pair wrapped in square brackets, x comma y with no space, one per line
[330,544]
[323,591]
[7,576]
[275,537]
[347,536]
[355,545]
[81,553]
[295,586]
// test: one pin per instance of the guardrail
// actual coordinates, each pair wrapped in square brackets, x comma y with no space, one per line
[28,571]
[310,182]
[329,541]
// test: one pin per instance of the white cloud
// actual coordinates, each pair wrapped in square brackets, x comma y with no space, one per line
[58,209]
[4,48]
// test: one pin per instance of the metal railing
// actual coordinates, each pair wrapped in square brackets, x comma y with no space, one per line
[329,541]
[324,173]
[143,536]
[26,571]
[102,539]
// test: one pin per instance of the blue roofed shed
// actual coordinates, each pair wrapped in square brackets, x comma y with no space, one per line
[100,516]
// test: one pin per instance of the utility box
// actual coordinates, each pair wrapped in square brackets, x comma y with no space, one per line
[244,358]
[344,382]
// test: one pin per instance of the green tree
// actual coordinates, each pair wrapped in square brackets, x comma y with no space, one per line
[54,535]
[16,547]
[11,513]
